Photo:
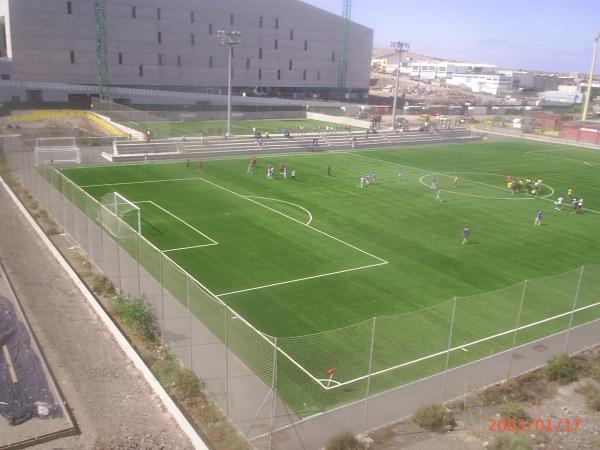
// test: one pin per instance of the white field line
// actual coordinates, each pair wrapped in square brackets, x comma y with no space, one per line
[460,347]
[310,217]
[187,248]
[213,242]
[264,336]
[302,279]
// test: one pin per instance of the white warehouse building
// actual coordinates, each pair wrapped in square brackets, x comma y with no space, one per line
[494,84]
[287,47]
[441,70]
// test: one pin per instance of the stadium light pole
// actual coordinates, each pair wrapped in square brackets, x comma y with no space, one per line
[588,94]
[229,38]
[399,47]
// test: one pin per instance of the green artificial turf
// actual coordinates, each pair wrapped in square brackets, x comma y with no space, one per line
[388,250]
[239,127]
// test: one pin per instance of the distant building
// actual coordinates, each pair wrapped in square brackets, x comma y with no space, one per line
[441,70]
[287,48]
[493,84]
[561,97]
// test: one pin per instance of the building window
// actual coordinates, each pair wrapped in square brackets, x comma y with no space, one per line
[121,59]
[141,70]
[319,75]
[332,56]
[260,22]
[210,29]
[279,74]
[158,14]
[69,8]
[210,61]
[192,16]
[160,60]
[305,46]
[304,75]
[260,53]
[290,65]
[291,35]
[247,63]
[159,37]
[178,60]
[276,23]
[72,56]
[231,21]
[133,12]
[192,39]
[5,76]
[276,44]
[260,74]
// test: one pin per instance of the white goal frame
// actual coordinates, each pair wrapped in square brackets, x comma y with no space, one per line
[57,150]
[112,207]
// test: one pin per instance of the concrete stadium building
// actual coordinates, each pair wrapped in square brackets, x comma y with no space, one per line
[287,47]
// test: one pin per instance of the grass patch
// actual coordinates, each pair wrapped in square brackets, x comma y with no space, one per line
[510,442]
[102,285]
[512,410]
[591,392]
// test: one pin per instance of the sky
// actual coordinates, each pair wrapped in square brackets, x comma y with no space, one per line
[547,35]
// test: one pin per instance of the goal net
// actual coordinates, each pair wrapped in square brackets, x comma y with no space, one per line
[59,150]
[118,213]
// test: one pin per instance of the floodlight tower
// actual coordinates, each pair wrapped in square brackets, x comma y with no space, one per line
[588,94]
[229,38]
[399,47]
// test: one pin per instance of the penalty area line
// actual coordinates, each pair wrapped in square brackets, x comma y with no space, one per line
[302,279]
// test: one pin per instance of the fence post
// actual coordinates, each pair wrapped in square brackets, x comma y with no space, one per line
[575,300]
[187,287]
[162,299]
[517,325]
[448,351]
[369,374]
[226,361]
[273,394]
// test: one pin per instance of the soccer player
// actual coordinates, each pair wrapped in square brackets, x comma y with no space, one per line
[434,183]
[574,205]
[281,167]
[285,173]
[538,217]
[329,170]
[200,164]
[580,205]
[438,195]
[249,169]
[361,182]
[145,158]
[253,161]
[466,233]
[187,163]
[401,172]
[373,176]
[558,203]
[455,181]
[569,192]
[293,174]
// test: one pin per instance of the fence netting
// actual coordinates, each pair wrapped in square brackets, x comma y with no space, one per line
[268,385]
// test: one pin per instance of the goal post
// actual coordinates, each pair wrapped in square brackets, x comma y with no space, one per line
[57,150]
[117,211]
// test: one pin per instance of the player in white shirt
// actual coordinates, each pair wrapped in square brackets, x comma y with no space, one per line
[559,202]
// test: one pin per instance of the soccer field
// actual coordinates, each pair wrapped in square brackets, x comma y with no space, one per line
[238,127]
[312,260]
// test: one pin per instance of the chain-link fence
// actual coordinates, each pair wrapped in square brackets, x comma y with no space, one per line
[268,384]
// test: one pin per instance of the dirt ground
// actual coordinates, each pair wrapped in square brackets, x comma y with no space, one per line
[112,404]
[549,401]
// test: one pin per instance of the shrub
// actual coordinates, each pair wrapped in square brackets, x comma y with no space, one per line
[561,368]
[513,411]
[510,442]
[188,384]
[166,371]
[591,394]
[595,373]
[344,441]
[102,285]
[138,315]
[434,418]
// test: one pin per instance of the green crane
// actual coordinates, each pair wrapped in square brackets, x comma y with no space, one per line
[101,53]
[343,59]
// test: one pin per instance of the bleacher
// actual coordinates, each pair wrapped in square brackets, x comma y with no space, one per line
[198,147]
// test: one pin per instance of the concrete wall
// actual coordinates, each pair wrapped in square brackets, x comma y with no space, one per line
[44,35]
[339,119]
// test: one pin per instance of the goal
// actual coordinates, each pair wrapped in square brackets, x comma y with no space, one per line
[59,150]
[118,213]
